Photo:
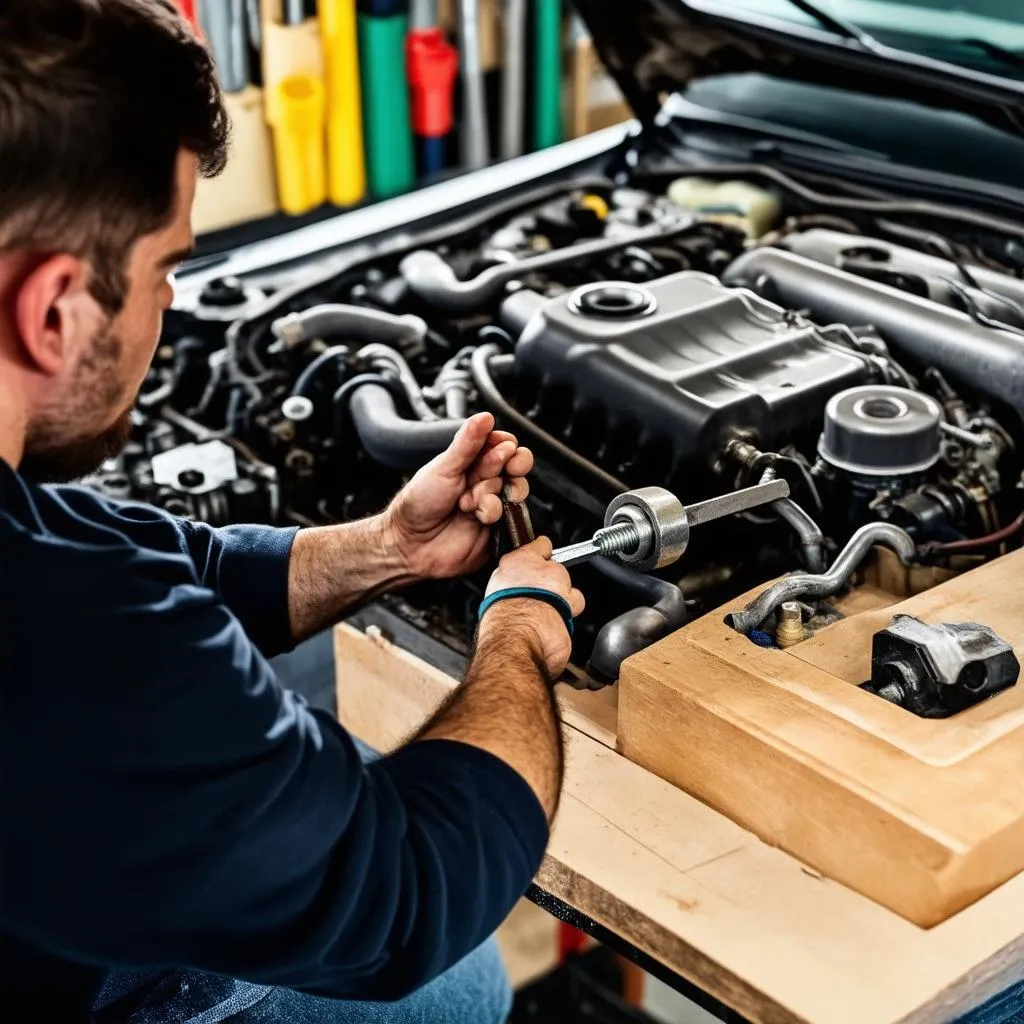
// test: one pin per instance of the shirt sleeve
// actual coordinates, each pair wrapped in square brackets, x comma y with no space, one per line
[175,805]
[246,566]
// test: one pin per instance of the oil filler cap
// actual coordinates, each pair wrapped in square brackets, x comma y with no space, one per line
[880,430]
[612,300]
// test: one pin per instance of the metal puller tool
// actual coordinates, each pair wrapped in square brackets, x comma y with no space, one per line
[645,529]
[649,528]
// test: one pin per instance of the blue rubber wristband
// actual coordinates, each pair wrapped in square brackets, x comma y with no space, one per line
[556,601]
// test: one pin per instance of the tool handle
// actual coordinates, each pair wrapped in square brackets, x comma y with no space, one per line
[345,164]
[547,58]
[432,65]
[389,149]
[736,501]
[517,519]
[474,131]
[299,144]
[188,9]
[513,99]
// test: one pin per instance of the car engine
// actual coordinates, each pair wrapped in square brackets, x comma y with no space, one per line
[700,333]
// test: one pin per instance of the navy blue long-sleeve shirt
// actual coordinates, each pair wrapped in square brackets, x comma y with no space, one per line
[165,802]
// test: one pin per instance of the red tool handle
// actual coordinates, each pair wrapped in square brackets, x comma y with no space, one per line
[188,8]
[432,64]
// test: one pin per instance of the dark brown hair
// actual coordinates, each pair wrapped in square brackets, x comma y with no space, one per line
[97,98]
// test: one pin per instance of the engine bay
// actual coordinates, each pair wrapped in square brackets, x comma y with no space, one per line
[699,332]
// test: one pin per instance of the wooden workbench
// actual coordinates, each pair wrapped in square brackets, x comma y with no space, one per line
[744,922]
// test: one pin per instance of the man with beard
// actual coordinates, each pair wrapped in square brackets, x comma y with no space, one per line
[183,839]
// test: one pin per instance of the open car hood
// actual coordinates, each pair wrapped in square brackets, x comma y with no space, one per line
[657,47]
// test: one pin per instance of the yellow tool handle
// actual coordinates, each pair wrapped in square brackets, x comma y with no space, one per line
[299,143]
[345,162]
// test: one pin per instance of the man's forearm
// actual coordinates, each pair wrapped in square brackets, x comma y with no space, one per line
[334,569]
[506,706]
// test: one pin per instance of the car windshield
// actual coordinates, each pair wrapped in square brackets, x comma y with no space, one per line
[984,35]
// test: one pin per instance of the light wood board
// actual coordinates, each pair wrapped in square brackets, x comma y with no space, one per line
[922,815]
[747,923]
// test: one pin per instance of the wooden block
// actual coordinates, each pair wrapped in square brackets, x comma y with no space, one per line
[747,923]
[924,816]
[247,189]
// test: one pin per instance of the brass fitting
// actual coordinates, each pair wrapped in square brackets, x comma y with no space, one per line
[790,630]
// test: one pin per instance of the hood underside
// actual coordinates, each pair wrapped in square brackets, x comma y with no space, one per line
[657,47]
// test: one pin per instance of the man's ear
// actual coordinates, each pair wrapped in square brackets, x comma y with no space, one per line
[54,313]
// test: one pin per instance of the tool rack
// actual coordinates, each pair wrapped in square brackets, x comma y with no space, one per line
[269,174]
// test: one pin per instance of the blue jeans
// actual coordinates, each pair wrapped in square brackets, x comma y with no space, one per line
[1005,1008]
[475,991]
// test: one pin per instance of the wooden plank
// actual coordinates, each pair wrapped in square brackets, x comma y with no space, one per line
[746,922]
[593,713]
[923,815]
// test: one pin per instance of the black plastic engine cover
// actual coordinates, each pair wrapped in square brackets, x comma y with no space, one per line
[684,358]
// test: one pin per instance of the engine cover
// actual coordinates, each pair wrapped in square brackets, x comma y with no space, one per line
[686,359]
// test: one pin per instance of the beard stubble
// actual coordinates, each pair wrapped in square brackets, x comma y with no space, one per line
[62,446]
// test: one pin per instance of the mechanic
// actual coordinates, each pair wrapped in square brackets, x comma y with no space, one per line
[183,839]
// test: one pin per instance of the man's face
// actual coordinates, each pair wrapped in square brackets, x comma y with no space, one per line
[86,418]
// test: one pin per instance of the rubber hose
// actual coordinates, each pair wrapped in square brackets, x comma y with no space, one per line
[382,357]
[633,631]
[309,374]
[391,440]
[360,322]
[344,394]
[495,401]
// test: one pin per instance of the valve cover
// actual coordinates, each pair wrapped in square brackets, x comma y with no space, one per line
[686,359]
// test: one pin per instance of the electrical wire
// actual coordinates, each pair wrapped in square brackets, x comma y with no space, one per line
[946,250]
[997,537]
[331,356]
[812,487]
[972,310]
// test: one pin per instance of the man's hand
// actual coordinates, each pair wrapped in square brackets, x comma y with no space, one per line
[537,622]
[507,705]
[440,521]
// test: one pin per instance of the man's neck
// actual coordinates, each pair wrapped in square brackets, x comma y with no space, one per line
[13,427]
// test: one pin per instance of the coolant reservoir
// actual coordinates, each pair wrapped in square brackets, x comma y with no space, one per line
[752,209]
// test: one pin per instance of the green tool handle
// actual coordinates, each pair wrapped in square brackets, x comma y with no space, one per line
[390,160]
[547,62]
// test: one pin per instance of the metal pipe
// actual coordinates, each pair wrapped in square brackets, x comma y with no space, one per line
[806,585]
[434,281]
[294,12]
[513,95]
[224,25]
[423,14]
[475,148]
[990,360]
[812,540]
[966,436]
